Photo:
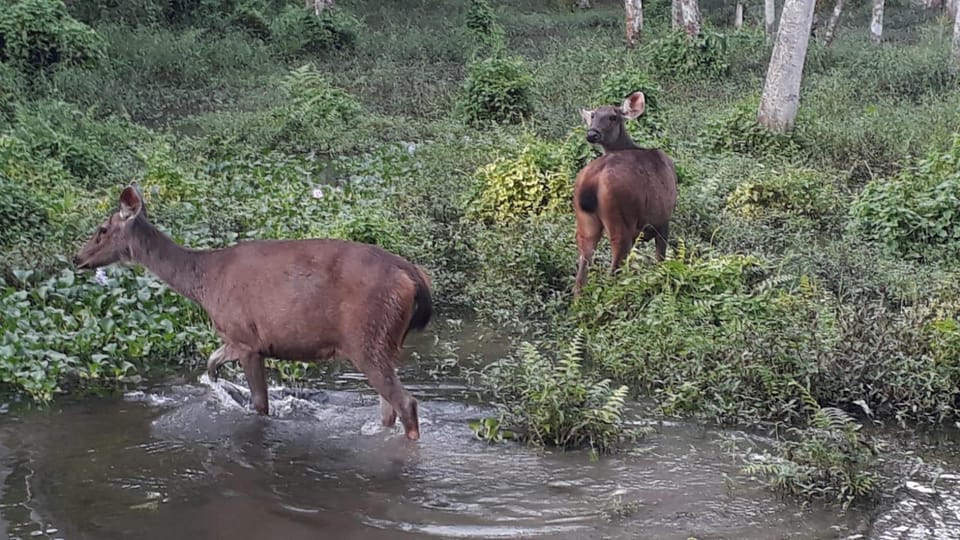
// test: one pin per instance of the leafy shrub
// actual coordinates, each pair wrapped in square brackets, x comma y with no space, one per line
[36,34]
[554,403]
[534,183]
[90,149]
[299,31]
[11,90]
[737,130]
[21,215]
[251,19]
[676,55]
[617,85]
[497,89]
[914,214]
[317,100]
[707,336]
[792,192]
[480,19]
[828,460]
[68,324]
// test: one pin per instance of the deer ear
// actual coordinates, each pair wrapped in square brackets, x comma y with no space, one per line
[131,202]
[634,105]
[587,116]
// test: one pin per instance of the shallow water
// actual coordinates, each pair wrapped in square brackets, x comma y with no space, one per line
[186,458]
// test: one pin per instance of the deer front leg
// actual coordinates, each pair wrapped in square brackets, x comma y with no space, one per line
[254,371]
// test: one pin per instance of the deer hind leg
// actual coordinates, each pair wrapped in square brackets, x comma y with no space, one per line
[395,401]
[254,371]
[589,231]
[661,234]
[621,242]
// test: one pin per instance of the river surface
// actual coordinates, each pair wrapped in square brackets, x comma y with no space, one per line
[187,458]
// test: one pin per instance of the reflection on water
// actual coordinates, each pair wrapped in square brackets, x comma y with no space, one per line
[188,459]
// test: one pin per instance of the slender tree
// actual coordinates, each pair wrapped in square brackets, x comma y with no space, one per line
[634,11]
[781,90]
[676,15]
[738,16]
[876,22]
[318,5]
[832,25]
[690,11]
[584,4]
[769,18]
[956,35]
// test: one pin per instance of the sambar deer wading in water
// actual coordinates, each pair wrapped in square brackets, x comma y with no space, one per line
[286,299]
[628,190]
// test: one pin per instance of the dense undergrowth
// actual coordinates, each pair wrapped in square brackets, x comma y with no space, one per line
[808,273]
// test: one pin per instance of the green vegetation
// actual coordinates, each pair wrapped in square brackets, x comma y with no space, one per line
[809,274]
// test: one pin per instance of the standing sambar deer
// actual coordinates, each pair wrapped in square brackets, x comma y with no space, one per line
[628,190]
[285,299]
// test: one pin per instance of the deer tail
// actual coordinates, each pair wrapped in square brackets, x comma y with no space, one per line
[588,197]
[424,302]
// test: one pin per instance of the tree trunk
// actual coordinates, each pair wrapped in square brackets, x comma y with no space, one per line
[691,17]
[781,91]
[931,5]
[584,4]
[318,5]
[769,18]
[634,10]
[952,8]
[832,25]
[676,15]
[956,35]
[876,22]
[738,17]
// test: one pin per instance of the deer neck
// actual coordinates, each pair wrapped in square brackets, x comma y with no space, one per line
[182,269]
[621,142]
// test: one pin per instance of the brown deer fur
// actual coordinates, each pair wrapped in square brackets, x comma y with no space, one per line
[628,191]
[304,300]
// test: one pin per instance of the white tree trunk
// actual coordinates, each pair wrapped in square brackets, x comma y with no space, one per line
[691,17]
[318,5]
[876,22]
[956,35]
[933,4]
[584,4]
[676,15]
[738,17]
[832,25]
[952,8]
[634,11]
[781,91]
[769,17]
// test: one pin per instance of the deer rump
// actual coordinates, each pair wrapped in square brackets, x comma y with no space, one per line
[628,192]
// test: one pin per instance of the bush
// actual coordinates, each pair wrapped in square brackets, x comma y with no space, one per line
[21,215]
[676,55]
[497,89]
[480,19]
[553,403]
[36,34]
[534,183]
[737,130]
[829,460]
[617,85]
[93,151]
[914,214]
[299,31]
[707,336]
[788,193]
[251,19]
[11,90]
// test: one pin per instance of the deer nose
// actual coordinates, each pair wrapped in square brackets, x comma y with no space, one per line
[593,136]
